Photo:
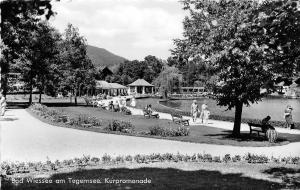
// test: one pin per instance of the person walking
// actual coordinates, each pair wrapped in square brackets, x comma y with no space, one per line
[194,110]
[288,117]
[133,102]
[203,111]
[2,104]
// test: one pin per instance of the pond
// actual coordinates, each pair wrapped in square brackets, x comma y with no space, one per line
[268,106]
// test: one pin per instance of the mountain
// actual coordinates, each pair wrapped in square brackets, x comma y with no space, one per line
[101,57]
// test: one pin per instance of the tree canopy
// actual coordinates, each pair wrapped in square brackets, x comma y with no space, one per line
[247,43]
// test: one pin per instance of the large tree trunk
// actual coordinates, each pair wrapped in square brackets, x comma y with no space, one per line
[237,118]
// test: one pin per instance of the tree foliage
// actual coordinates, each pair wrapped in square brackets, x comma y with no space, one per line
[78,70]
[168,80]
[245,42]
[129,71]
[12,13]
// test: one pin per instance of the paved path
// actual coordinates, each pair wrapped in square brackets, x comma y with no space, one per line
[24,138]
[212,123]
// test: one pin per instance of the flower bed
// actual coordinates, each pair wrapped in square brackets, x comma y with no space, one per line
[59,116]
[169,132]
[121,126]
[11,168]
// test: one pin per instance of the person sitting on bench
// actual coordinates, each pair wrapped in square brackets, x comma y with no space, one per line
[151,111]
[266,123]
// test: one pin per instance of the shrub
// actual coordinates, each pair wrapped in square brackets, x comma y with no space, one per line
[106,158]
[207,158]
[140,158]
[121,126]
[169,132]
[227,158]
[95,159]
[119,159]
[85,119]
[252,158]
[236,158]
[128,158]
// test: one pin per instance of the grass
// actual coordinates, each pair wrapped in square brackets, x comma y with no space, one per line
[169,175]
[198,134]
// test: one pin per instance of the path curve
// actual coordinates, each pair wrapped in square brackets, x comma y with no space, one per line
[25,138]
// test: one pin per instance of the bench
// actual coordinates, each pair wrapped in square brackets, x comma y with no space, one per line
[179,119]
[257,128]
[149,114]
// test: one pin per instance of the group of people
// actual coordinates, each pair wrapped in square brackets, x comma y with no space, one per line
[204,112]
[287,116]
[115,104]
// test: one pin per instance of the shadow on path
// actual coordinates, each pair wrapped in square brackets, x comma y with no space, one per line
[167,178]
[8,119]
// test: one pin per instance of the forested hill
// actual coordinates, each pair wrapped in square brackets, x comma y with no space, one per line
[101,57]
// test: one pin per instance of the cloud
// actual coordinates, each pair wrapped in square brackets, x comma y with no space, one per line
[130,28]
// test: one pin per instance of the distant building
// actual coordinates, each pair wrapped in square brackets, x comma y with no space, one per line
[192,90]
[140,86]
[104,72]
[111,89]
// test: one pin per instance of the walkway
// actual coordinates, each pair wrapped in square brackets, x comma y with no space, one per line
[24,138]
[212,123]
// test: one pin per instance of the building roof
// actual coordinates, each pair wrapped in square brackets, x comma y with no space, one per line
[117,86]
[101,84]
[140,82]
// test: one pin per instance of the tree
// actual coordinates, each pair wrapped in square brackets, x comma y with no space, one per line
[77,67]
[10,16]
[168,79]
[245,42]
[46,52]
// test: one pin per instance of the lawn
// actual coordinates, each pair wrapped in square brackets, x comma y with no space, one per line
[198,134]
[169,175]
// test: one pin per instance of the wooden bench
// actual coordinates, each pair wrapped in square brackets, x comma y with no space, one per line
[179,119]
[150,114]
[257,128]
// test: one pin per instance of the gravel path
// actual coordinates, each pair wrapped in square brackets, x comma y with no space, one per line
[25,138]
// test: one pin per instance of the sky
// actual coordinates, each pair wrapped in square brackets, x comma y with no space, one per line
[132,29]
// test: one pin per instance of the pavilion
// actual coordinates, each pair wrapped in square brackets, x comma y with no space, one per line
[140,86]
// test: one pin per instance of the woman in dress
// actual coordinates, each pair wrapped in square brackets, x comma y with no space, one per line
[194,110]
[133,102]
[288,117]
